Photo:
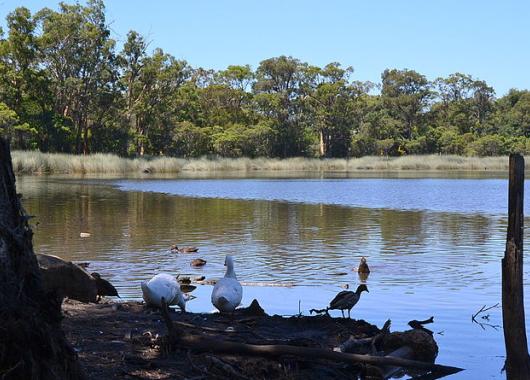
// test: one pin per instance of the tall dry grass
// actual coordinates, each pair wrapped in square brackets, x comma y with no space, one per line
[34,162]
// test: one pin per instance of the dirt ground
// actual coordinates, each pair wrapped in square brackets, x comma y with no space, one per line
[125,341]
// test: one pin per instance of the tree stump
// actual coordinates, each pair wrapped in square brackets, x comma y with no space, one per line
[33,345]
[517,360]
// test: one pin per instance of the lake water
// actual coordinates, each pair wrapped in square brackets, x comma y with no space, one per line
[434,245]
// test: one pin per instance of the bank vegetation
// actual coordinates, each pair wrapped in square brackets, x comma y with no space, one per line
[34,162]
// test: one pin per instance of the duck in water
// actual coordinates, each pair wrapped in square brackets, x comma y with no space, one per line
[363,266]
[198,262]
[174,248]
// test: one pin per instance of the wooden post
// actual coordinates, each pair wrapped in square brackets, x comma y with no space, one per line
[517,359]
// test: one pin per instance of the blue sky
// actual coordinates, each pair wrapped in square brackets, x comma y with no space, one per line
[487,39]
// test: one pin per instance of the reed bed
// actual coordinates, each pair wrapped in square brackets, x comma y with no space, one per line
[34,162]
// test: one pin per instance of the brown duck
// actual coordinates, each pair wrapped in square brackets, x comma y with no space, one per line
[363,266]
[198,262]
[175,248]
[347,299]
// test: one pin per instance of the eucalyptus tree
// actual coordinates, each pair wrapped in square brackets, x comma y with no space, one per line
[22,80]
[512,114]
[131,62]
[226,100]
[464,103]
[406,94]
[335,106]
[279,98]
[78,54]
[161,77]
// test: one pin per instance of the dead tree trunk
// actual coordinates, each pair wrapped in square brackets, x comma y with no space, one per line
[517,359]
[32,344]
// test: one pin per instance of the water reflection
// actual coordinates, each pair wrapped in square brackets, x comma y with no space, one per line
[274,241]
[485,196]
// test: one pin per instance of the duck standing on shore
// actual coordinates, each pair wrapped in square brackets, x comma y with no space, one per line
[346,299]
[227,292]
[165,286]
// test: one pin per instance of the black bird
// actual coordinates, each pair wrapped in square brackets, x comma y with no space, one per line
[104,287]
[346,299]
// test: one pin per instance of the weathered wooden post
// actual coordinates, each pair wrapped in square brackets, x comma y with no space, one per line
[517,359]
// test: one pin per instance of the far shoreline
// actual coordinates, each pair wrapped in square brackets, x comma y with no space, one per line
[38,163]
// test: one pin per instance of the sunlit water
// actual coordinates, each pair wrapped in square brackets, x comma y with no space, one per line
[434,245]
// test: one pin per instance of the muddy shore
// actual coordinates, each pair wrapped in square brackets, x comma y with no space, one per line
[127,341]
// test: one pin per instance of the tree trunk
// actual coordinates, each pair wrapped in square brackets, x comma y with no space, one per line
[517,360]
[86,149]
[322,144]
[32,344]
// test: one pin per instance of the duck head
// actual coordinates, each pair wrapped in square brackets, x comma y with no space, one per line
[229,264]
[361,288]
[229,261]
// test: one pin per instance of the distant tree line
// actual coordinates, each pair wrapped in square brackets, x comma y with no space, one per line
[64,87]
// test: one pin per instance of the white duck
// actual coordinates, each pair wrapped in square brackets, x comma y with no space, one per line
[227,292]
[165,286]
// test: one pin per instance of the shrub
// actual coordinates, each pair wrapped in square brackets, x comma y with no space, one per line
[491,145]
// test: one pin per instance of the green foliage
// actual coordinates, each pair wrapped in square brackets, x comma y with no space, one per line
[492,145]
[237,140]
[363,145]
[190,140]
[8,118]
[64,87]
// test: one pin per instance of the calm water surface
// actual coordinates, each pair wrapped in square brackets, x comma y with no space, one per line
[434,245]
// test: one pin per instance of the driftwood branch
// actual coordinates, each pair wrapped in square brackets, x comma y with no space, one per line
[415,324]
[481,324]
[363,345]
[483,309]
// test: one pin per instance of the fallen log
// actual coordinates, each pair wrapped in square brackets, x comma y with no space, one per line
[386,372]
[364,345]
[213,345]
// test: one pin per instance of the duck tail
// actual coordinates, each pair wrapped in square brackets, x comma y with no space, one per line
[223,300]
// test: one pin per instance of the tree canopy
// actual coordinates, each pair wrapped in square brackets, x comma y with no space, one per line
[64,87]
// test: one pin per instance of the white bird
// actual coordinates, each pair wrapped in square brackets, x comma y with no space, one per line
[227,292]
[165,286]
